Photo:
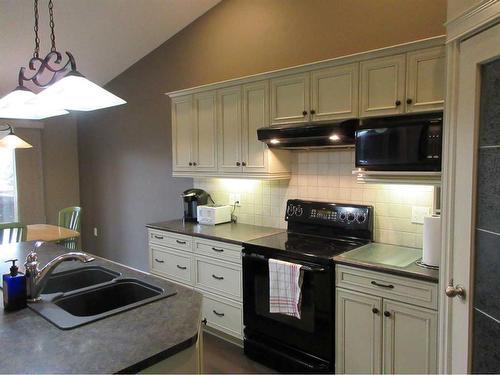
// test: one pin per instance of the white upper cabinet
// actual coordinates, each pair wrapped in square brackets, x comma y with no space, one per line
[229,129]
[182,133]
[334,93]
[290,99]
[425,74]
[383,86]
[205,143]
[410,339]
[255,116]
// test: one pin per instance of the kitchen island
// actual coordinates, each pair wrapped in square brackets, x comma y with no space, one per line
[145,338]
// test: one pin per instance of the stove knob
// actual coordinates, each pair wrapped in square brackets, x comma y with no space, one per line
[350,217]
[298,211]
[361,218]
[290,210]
[342,216]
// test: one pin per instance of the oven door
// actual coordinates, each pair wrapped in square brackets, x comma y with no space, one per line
[313,332]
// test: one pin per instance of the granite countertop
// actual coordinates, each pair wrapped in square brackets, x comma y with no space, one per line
[397,260]
[126,342]
[229,232]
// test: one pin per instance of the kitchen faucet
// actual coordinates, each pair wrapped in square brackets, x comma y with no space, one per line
[36,278]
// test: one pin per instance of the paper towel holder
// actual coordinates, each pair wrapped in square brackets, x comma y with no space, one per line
[421,263]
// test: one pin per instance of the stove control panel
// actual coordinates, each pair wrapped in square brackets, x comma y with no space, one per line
[329,214]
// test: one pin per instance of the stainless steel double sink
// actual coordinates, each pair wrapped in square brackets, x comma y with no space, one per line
[83,295]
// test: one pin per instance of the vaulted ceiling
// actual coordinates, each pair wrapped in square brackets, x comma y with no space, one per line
[105,36]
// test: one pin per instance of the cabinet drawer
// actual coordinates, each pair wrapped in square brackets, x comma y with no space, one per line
[172,264]
[404,289]
[218,250]
[225,316]
[173,240]
[218,277]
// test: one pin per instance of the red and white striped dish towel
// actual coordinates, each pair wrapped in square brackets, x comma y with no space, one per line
[285,282]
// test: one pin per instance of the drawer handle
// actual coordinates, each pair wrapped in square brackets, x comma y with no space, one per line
[217,277]
[158,237]
[181,267]
[390,286]
[217,249]
[180,242]
[159,261]
[218,313]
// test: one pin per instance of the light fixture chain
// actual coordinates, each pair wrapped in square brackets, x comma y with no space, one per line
[35,29]
[52,25]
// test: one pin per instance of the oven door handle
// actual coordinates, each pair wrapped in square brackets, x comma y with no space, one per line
[264,259]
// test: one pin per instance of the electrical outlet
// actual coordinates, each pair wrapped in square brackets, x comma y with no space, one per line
[418,213]
[235,198]
[95,231]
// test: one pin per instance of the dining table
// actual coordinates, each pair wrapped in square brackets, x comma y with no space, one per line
[50,233]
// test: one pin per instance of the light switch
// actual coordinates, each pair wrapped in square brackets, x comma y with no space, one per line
[235,197]
[418,213]
[95,231]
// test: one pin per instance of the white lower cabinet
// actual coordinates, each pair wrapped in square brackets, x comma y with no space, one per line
[211,267]
[375,334]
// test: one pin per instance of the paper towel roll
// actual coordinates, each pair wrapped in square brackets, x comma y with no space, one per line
[432,240]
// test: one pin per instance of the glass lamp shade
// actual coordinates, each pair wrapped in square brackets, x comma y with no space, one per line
[75,92]
[17,105]
[12,141]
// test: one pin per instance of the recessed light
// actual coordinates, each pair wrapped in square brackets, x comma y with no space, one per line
[334,137]
[275,141]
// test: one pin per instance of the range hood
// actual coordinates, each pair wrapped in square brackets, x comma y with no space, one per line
[327,135]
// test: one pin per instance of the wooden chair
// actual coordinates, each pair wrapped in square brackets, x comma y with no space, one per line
[70,217]
[12,232]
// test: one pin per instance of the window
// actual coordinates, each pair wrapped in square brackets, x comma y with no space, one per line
[8,193]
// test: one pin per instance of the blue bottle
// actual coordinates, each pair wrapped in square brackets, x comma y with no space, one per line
[14,288]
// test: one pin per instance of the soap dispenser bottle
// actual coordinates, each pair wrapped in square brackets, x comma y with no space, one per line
[14,288]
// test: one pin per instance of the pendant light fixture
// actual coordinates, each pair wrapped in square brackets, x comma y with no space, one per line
[64,88]
[12,141]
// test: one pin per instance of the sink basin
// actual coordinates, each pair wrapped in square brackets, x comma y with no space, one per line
[79,278]
[110,297]
[77,308]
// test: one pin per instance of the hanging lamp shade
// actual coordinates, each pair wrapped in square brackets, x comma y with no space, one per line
[76,93]
[12,141]
[17,105]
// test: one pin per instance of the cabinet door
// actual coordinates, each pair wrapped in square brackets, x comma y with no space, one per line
[425,80]
[358,332]
[182,133]
[335,93]
[205,145]
[410,339]
[383,86]
[290,99]
[255,115]
[229,129]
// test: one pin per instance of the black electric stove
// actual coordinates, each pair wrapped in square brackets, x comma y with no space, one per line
[316,232]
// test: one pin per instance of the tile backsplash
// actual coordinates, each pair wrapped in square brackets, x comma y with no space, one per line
[325,176]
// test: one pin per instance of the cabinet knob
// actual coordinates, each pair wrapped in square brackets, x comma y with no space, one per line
[304,113]
[204,321]
[409,101]
[387,313]
[238,163]
[375,310]
[194,163]
[190,164]
[398,103]
[313,112]
[243,163]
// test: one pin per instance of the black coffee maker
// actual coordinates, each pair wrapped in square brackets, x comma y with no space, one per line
[192,199]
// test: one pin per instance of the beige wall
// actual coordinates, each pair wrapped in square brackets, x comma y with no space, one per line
[47,174]
[125,152]
[60,165]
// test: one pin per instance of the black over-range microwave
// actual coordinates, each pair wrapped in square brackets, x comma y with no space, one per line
[400,143]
